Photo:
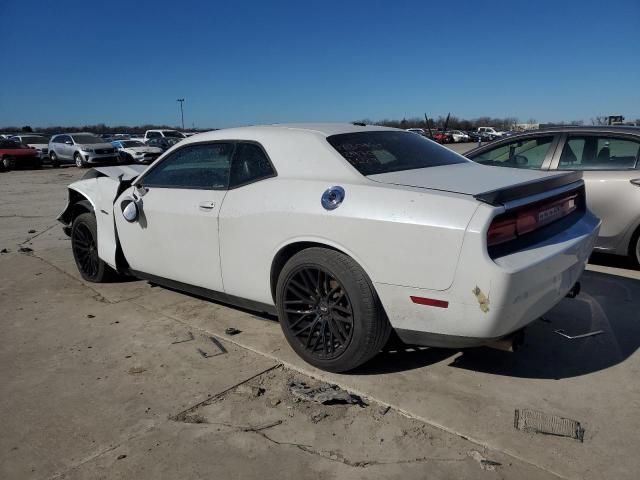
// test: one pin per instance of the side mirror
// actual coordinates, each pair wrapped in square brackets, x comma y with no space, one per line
[130,210]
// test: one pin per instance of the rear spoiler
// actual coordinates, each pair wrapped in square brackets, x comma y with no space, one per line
[526,189]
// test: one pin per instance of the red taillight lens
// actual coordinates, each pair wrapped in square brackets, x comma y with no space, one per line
[528,219]
[502,231]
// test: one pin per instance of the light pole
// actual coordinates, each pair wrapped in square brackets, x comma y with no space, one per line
[181,100]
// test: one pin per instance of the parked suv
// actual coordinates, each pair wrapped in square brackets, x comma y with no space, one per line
[490,132]
[608,158]
[80,148]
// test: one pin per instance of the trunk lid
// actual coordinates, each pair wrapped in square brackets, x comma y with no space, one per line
[493,185]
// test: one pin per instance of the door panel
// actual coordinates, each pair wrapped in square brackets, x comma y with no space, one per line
[607,163]
[175,236]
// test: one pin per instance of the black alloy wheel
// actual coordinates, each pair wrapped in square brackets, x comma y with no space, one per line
[84,234]
[318,312]
[329,310]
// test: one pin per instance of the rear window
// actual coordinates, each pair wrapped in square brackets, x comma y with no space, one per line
[372,153]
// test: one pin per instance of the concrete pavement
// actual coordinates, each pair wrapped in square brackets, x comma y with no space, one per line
[91,372]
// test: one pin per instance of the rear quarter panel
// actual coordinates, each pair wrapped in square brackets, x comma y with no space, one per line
[399,235]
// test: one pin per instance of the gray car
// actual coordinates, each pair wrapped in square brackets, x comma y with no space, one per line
[82,149]
[608,159]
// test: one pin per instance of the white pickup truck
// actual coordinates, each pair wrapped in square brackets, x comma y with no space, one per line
[149,134]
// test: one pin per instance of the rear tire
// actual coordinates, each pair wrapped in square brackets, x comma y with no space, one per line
[329,310]
[634,248]
[53,158]
[84,243]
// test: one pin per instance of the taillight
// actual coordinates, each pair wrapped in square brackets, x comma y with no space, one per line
[529,218]
[502,231]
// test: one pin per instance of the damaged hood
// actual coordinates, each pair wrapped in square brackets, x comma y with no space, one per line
[122,172]
[467,178]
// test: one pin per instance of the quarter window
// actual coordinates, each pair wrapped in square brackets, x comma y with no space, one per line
[599,153]
[525,153]
[250,164]
[204,166]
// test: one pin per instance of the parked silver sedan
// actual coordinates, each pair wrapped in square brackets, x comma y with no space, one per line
[608,158]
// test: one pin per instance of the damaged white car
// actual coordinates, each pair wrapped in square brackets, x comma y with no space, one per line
[346,232]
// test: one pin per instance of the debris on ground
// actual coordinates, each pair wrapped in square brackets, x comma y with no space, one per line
[31,231]
[250,390]
[485,463]
[317,417]
[136,370]
[276,402]
[4,250]
[120,457]
[575,337]
[25,250]
[90,316]
[188,339]
[325,394]
[533,421]
[187,418]
[218,345]
[384,409]
[232,331]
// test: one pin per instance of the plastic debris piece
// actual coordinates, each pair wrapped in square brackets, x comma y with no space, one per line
[232,331]
[575,337]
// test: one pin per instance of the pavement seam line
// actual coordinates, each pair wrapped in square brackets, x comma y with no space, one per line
[102,452]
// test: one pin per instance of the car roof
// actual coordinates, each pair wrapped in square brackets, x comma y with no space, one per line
[583,129]
[322,129]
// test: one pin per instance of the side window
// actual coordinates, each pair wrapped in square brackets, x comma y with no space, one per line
[525,153]
[250,164]
[599,153]
[154,135]
[204,167]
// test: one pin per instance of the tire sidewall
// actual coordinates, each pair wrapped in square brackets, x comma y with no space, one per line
[79,164]
[364,303]
[89,220]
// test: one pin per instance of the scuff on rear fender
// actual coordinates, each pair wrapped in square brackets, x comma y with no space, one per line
[483,300]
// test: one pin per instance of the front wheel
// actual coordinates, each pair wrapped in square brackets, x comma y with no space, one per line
[84,243]
[80,163]
[7,163]
[329,311]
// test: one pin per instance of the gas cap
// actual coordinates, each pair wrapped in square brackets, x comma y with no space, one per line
[332,198]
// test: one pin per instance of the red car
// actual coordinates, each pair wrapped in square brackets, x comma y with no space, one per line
[443,137]
[14,154]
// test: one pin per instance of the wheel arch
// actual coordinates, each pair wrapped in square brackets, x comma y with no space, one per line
[285,252]
[77,204]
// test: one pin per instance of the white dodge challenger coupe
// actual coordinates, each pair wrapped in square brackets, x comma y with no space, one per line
[346,232]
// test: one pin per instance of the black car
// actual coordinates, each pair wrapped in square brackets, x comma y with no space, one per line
[165,143]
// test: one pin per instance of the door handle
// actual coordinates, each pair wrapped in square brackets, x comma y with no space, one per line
[636,182]
[206,205]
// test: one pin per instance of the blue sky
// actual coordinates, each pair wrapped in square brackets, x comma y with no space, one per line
[248,62]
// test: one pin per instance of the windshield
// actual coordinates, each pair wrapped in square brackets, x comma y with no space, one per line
[173,133]
[87,139]
[131,143]
[391,151]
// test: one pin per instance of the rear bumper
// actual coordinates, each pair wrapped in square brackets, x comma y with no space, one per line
[493,298]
